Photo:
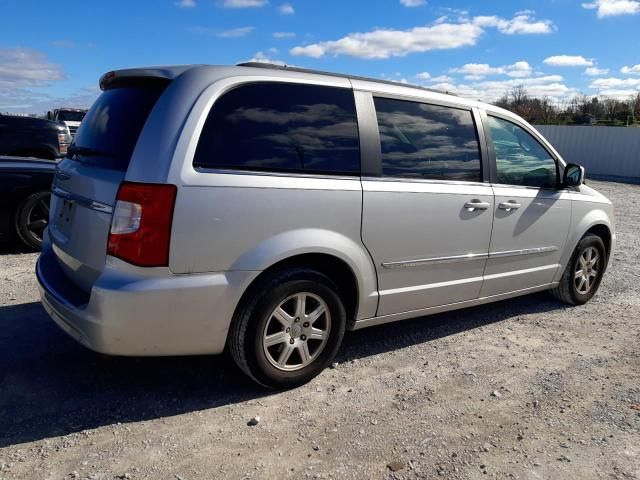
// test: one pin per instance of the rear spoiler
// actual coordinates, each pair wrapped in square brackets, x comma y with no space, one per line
[141,76]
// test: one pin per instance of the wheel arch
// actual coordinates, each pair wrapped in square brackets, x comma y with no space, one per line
[596,221]
[344,261]
[603,231]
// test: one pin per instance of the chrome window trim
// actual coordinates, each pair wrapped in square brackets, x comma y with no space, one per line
[529,187]
[273,173]
[82,201]
[428,181]
[468,257]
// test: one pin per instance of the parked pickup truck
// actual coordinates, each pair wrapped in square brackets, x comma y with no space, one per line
[33,137]
[71,117]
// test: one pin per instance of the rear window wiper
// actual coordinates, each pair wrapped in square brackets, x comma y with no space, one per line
[74,151]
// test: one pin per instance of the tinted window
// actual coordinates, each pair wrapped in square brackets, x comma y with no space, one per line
[113,124]
[427,141]
[520,159]
[282,127]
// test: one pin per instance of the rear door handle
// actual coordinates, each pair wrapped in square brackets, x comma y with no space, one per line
[474,204]
[508,206]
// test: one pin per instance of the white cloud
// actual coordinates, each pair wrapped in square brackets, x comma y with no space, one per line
[25,67]
[235,32]
[244,3]
[612,82]
[28,101]
[286,9]
[621,88]
[413,3]
[523,23]
[519,69]
[595,71]
[423,76]
[186,3]
[385,43]
[477,71]
[619,93]
[261,57]
[283,34]
[551,86]
[442,79]
[611,8]
[568,61]
[635,69]
[395,43]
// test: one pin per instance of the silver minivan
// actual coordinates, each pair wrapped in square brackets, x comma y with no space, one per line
[266,210]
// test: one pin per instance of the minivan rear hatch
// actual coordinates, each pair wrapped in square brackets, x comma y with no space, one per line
[87,181]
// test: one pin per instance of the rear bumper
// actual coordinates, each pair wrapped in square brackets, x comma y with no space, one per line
[153,313]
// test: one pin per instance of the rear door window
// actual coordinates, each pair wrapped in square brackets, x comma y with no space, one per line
[282,127]
[110,130]
[420,140]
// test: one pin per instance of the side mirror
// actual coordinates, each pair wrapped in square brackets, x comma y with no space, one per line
[49,115]
[573,175]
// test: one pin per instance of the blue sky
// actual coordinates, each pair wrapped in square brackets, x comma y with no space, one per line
[52,53]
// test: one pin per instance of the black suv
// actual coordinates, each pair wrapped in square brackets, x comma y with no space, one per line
[33,137]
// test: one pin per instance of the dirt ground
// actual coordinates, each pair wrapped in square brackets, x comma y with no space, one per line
[524,388]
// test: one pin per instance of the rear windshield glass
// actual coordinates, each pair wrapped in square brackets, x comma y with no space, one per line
[110,130]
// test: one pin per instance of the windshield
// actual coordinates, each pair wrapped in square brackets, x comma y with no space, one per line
[110,130]
[70,116]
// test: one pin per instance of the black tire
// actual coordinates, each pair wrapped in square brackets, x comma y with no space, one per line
[32,217]
[250,322]
[567,290]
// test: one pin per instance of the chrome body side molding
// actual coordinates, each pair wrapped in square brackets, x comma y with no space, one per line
[470,256]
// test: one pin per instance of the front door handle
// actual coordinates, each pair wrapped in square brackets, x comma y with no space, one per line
[475,204]
[508,206]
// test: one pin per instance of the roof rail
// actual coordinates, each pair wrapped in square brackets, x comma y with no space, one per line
[273,66]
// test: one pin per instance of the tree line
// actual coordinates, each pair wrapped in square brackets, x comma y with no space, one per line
[579,110]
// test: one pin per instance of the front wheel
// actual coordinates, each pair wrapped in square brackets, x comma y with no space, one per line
[584,271]
[289,328]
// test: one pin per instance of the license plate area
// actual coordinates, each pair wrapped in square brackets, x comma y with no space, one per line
[64,212]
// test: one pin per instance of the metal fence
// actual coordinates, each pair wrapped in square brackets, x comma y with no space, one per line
[605,152]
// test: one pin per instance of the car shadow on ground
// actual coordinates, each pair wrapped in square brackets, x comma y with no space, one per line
[13,247]
[51,386]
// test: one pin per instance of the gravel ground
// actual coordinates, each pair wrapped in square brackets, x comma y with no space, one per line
[525,388]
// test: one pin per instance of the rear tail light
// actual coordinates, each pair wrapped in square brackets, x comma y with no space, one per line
[141,224]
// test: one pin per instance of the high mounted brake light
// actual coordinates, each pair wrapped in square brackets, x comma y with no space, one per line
[141,224]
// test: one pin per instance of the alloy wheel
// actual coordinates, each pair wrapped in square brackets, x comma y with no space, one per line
[297,331]
[587,270]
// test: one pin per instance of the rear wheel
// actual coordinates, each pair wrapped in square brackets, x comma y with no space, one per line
[288,329]
[32,217]
[584,272]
